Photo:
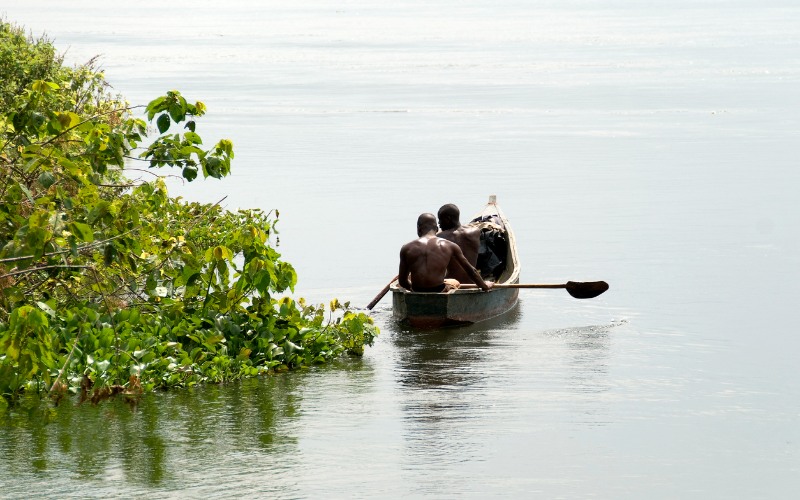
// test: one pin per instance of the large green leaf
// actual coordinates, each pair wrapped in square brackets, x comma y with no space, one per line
[81,231]
[163,123]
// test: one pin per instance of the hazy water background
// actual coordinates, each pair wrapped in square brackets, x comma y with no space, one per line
[652,144]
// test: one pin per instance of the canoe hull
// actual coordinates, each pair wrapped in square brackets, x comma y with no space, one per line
[436,310]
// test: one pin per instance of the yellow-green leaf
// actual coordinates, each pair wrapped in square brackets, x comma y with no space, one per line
[81,231]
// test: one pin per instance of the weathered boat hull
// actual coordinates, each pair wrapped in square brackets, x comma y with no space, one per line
[435,310]
[463,306]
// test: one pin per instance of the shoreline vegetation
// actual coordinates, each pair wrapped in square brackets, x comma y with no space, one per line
[109,286]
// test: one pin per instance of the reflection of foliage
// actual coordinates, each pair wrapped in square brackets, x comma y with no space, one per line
[147,448]
[109,284]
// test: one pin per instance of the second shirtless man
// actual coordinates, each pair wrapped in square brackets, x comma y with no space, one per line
[468,238]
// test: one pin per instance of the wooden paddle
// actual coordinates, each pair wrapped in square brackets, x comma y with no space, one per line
[578,289]
[381,294]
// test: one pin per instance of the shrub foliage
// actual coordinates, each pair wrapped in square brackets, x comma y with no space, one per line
[107,284]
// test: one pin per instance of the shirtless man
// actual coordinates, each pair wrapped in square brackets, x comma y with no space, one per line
[468,238]
[426,260]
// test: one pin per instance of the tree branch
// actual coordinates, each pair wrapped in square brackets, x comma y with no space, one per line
[82,249]
[115,110]
[42,268]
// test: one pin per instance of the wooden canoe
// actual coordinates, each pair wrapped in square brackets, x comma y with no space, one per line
[465,306]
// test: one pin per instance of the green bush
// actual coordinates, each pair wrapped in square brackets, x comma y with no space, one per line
[107,284]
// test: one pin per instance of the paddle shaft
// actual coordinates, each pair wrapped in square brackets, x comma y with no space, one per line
[381,294]
[578,289]
[516,285]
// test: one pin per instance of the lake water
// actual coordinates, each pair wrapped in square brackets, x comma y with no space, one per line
[651,144]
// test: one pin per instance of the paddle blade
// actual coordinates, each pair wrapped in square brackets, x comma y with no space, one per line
[586,290]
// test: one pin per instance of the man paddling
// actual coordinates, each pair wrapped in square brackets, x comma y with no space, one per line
[425,261]
[468,238]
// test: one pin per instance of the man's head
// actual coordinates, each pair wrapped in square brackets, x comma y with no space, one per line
[448,217]
[425,224]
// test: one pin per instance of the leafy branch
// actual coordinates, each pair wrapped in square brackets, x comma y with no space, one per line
[176,293]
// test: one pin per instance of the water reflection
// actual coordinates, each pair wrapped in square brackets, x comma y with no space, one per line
[162,441]
[446,359]
[441,378]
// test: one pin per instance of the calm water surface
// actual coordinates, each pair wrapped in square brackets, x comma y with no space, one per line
[649,144]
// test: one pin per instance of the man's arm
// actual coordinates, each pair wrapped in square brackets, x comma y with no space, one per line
[402,273]
[471,271]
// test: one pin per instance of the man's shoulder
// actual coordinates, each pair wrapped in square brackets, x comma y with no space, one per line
[467,232]
[448,244]
[472,233]
[411,244]
[446,234]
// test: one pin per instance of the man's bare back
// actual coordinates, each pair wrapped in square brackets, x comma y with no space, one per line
[424,262]
[468,238]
